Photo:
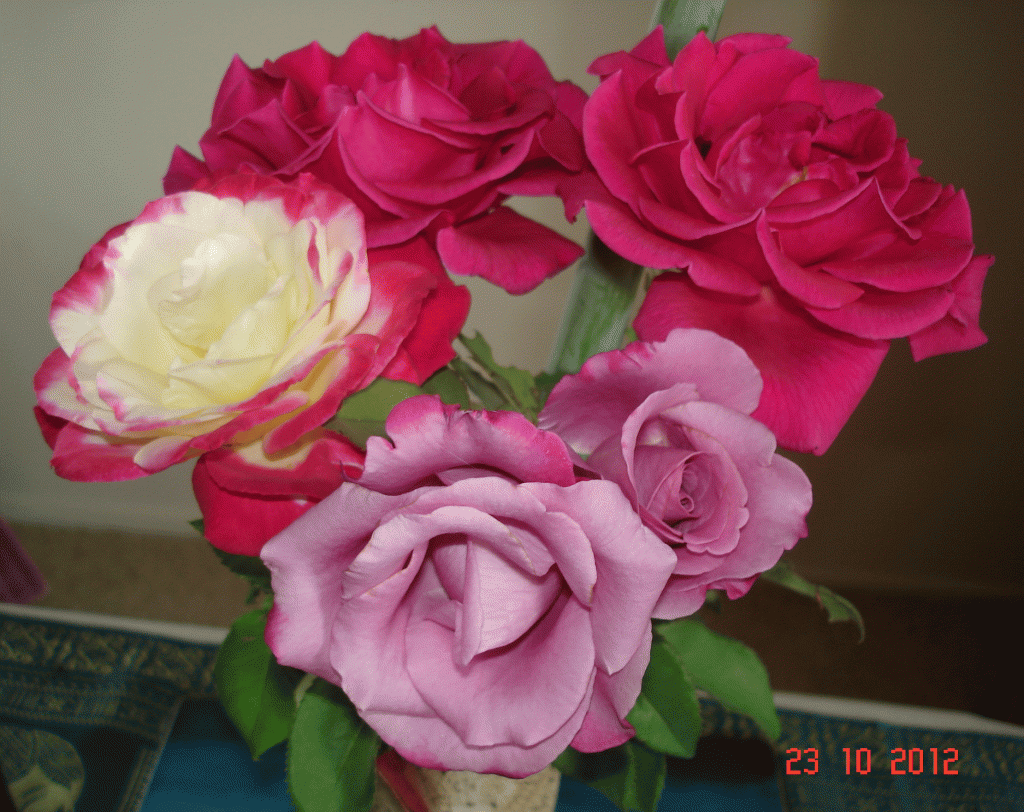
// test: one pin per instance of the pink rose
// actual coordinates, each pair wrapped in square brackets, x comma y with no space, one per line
[246,499]
[426,136]
[481,607]
[670,424]
[798,221]
[241,312]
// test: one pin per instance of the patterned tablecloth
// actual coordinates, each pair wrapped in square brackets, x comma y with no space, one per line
[100,713]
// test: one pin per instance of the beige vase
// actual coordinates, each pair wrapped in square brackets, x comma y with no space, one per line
[471,792]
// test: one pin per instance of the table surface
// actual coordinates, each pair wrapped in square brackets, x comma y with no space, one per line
[817,764]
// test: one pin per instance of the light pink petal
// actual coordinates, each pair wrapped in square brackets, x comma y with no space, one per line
[716,368]
[614,696]
[530,690]
[427,436]
[307,561]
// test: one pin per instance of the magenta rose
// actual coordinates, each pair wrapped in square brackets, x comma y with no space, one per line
[242,312]
[482,608]
[798,222]
[427,136]
[670,423]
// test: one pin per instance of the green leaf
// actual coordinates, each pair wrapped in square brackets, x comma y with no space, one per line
[516,385]
[667,714]
[725,668]
[331,754]
[254,689]
[632,776]
[449,387]
[199,526]
[363,413]
[639,786]
[839,609]
[487,393]
[682,20]
[249,567]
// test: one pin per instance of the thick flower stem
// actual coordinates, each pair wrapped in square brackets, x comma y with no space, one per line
[682,19]
[603,301]
[608,289]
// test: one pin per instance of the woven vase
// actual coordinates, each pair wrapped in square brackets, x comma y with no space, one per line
[471,792]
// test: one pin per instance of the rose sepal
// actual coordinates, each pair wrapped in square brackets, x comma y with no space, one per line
[837,607]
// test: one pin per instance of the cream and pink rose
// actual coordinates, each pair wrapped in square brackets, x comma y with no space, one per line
[237,314]
[481,607]
[798,222]
[670,423]
[427,136]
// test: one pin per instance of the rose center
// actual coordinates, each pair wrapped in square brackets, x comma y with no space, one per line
[759,167]
[225,276]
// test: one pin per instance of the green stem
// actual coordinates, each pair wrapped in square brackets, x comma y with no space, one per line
[682,19]
[608,289]
[603,300]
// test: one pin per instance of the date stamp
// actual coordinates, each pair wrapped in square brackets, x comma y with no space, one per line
[857,761]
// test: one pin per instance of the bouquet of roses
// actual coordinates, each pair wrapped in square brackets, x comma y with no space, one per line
[462,563]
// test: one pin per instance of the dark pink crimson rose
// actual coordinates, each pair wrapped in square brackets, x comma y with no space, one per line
[481,607]
[798,222]
[237,314]
[427,136]
[670,423]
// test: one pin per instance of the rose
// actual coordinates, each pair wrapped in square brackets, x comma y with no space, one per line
[670,423]
[246,499]
[481,607]
[427,136]
[799,222]
[242,312]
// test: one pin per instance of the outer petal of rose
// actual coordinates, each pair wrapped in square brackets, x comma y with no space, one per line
[428,436]
[241,523]
[505,248]
[246,499]
[880,315]
[615,131]
[182,173]
[428,742]
[315,468]
[846,98]
[428,345]
[619,229]
[813,377]
[959,328]
[307,561]
[620,380]
[87,456]
[615,694]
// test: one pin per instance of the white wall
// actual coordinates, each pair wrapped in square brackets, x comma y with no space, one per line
[96,94]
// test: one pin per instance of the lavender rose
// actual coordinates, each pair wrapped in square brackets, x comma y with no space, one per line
[670,423]
[481,607]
